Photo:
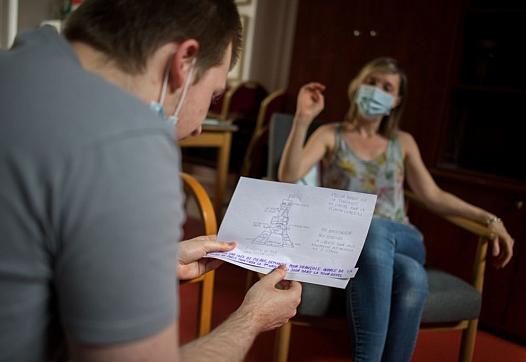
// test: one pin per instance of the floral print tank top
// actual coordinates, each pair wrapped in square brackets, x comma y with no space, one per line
[383,176]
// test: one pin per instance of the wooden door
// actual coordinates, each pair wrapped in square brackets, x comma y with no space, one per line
[515,319]
[334,39]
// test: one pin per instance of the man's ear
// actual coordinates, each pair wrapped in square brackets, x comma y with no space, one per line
[181,63]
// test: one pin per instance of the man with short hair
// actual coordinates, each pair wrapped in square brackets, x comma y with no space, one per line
[90,196]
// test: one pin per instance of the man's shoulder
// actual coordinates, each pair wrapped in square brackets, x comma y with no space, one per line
[50,93]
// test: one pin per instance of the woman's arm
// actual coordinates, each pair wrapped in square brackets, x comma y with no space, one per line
[444,203]
[297,160]
[423,185]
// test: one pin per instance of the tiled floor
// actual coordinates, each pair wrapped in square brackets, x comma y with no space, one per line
[309,344]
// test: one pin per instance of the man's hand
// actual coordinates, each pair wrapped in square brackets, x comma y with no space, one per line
[271,302]
[191,261]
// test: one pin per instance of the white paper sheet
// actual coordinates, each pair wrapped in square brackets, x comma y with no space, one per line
[317,232]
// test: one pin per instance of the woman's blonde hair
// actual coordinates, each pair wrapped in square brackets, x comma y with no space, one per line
[389,124]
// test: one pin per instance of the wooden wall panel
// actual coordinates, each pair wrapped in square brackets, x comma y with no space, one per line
[420,34]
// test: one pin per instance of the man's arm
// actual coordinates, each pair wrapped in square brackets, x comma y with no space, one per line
[265,307]
[159,347]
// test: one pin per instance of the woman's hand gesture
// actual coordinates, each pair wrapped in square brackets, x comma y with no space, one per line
[310,102]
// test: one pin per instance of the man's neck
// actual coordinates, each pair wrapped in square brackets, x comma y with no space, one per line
[145,86]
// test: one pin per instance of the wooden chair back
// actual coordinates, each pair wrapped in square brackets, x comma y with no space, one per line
[207,215]
[254,163]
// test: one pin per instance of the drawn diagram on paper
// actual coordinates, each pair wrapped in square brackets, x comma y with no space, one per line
[276,232]
[317,232]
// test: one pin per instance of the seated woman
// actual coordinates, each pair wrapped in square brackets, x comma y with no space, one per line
[368,153]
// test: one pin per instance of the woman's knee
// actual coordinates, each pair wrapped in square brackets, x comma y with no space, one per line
[410,280]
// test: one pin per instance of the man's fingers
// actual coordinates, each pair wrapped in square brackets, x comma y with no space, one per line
[211,246]
[295,286]
[197,248]
[276,275]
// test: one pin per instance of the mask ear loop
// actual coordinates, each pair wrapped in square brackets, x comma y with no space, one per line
[187,83]
[165,83]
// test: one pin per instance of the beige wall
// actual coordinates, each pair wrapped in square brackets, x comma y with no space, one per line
[247,10]
[267,48]
[272,43]
[32,12]
[268,40]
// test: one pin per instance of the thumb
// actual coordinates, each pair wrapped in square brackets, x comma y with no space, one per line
[211,246]
[276,275]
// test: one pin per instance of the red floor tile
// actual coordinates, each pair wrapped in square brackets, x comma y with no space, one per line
[317,345]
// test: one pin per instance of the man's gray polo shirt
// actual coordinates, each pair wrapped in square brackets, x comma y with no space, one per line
[90,206]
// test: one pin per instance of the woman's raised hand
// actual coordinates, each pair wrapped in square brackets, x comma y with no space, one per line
[310,102]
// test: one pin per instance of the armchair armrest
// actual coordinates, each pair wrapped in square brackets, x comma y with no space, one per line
[483,233]
[468,225]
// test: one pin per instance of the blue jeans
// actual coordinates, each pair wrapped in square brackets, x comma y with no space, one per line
[386,298]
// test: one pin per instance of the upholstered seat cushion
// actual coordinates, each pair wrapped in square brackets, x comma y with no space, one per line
[450,299]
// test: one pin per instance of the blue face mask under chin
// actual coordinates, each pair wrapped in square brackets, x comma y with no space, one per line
[373,102]
[158,108]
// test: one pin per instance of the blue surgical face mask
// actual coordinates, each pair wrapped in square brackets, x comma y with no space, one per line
[373,102]
[158,108]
